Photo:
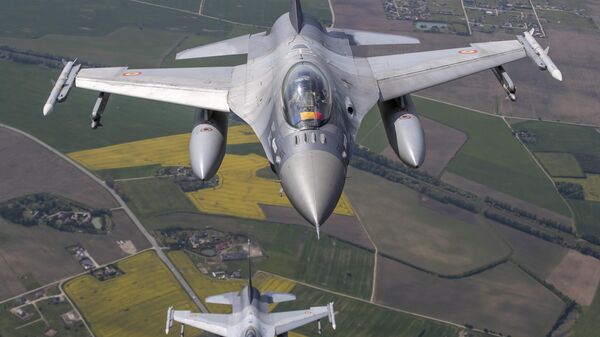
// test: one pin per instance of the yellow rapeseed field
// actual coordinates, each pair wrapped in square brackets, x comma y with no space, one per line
[166,151]
[240,191]
[132,305]
[591,185]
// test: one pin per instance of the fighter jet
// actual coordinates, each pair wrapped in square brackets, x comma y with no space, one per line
[250,315]
[304,94]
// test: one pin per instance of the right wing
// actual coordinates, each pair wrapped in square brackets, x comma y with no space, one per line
[290,320]
[402,74]
[206,87]
[213,323]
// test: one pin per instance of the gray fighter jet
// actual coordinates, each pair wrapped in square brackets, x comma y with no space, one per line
[250,316]
[304,94]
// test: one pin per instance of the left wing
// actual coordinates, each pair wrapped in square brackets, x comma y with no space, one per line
[206,88]
[398,75]
[213,323]
[290,320]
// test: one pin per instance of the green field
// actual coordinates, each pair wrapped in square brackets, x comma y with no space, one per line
[555,137]
[439,238]
[536,255]
[328,262]
[154,196]
[560,164]
[133,304]
[263,12]
[588,324]
[361,319]
[94,18]
[493,157]
[587,216]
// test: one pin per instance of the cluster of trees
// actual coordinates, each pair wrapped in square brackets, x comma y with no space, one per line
[35,57]
[511,222]
[398,176]
[589,163]
[531,216]
[570,190]
[15,214]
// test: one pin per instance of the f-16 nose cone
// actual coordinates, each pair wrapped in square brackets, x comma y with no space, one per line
[313,182]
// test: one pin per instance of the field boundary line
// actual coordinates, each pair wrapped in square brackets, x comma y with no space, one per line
[376,304]
[376,253]
[462,4]
[573,222]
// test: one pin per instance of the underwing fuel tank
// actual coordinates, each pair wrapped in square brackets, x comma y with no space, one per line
[207,143]
[403,129]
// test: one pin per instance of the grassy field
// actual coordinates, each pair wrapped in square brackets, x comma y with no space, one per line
[537,255]
[588,324]
[372,133]
[362,319]
[328,262]
[440,238]
[481,300]
[560,164]
[91,18]
[263,12]
[554,137]
[587,216]
[493,157]
[152,196]
[133,304]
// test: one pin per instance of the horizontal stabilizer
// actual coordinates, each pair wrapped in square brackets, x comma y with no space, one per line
[226,298]
[277,297]
[364,38]
[235,46]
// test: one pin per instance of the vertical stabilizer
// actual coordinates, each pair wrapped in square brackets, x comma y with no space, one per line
[250,287]
[296,15]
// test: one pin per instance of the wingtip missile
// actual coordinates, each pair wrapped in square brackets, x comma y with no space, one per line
[62,86]
[539,55]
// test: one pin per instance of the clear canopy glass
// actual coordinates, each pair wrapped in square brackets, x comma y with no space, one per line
[306,96]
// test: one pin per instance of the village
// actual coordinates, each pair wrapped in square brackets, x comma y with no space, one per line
[56,212]
[211,249]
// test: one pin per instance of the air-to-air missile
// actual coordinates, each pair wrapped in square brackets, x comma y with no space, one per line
[63,86]
[539,55]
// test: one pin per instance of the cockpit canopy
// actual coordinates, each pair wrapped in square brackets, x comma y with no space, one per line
[306,96]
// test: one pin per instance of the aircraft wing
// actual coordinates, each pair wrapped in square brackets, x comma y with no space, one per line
[206,87]
[213,323]
[401,74]
[290,320]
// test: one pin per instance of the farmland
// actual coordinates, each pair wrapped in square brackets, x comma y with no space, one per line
[560,164]
[133,304]
[481,300]
[587,215]
[262,12]
[154,196]
[433,236]
[591,185]
[554,137]
[356,318]
[493,157]
[240,191]
[329,263]
[589,325]
[205,285]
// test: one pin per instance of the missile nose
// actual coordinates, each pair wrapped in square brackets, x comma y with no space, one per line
[47,109]
[313,182]
[556,74]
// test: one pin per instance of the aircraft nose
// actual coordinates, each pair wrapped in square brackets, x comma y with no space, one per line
[313,182]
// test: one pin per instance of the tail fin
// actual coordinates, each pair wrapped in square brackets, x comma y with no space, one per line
[296,17]
[250,287]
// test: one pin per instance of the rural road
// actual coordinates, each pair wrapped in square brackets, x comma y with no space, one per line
[186,287]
